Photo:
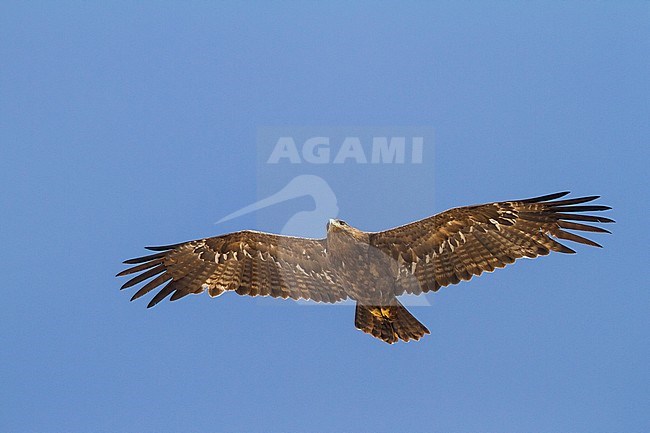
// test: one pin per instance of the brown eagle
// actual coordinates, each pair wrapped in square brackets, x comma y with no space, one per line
[369,268]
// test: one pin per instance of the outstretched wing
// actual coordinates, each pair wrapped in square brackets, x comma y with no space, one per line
[248,262]
[457,244]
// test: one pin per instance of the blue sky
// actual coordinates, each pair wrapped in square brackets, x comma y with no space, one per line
[126,124]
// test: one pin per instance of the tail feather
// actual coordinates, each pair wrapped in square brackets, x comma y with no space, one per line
[389,323]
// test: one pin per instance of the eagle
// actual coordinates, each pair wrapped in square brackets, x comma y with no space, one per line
[370,268]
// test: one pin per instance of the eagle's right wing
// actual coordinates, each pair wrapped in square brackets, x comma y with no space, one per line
[457,244]
[248,262]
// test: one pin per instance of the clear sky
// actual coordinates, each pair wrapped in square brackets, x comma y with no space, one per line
[125,124]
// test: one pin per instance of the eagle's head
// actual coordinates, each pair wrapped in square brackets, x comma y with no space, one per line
[340,229]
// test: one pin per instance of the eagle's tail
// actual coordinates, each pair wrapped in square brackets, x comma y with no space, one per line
[389,323]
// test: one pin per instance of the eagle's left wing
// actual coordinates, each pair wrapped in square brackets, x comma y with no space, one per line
[248,262]
[457,244]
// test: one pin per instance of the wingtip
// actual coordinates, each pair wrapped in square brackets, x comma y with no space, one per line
[124,272]
[138,260]
[162,247]
[128,284]
[547,197]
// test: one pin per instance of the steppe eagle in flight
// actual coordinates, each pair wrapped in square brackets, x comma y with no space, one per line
[371,268]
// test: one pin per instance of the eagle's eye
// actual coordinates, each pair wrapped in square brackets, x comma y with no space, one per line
[343,223]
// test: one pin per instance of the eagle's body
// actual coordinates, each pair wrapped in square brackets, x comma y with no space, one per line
[371,278]
[367,271]
[370,268]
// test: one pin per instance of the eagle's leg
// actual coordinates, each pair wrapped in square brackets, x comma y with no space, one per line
[389,323]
